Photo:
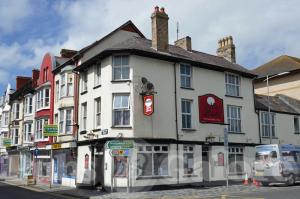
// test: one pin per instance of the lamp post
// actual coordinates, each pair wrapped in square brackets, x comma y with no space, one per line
[268,98]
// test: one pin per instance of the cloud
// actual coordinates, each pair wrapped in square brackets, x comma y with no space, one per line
[12,12]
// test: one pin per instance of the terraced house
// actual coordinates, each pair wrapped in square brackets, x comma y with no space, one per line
[171,101]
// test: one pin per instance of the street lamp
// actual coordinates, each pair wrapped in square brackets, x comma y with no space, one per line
[269,109]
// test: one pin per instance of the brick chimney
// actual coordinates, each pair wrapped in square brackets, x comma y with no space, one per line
[185,43]
[21,81]
[160,35]
[226,49]
[67,53]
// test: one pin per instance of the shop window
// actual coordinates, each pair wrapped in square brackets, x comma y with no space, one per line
[152,161]
[120,164]
[188,160]
[236,160]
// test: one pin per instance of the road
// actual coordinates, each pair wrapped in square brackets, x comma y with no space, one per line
[13,192]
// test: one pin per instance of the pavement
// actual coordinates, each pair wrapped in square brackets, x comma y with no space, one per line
[232,192]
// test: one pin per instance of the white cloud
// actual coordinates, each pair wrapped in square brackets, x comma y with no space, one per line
[12,12]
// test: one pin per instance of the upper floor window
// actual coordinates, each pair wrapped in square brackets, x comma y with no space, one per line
[15,136]
[28,132]
[39,130]
[233,84]
[6,116]
[234,119]
[267,123]
[63,85]
[296,124]
[43,98]
[16,111]
[121,110]
[45,74]
[121,67]
[28,105]
[97,112]
[66,85]
[97,74]
[185,76]
[56,90]
[84,81]
[70,89]
[65,121]
[83,116]
[186,113]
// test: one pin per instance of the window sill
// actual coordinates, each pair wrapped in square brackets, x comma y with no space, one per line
[237,133]
[96,130]
[188,129]
[83,92]
[121,127]
[152,177]
[236,174]
[64,97]
[189,175]
[66,134]
[275,138]
[120,81]
[233,96]
[83,132]
[97,86]
[187,88]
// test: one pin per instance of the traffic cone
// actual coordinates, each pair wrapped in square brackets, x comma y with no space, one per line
[254,182]
[246,179]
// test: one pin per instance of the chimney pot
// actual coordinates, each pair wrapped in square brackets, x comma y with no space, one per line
[160,35]
[162,10]
[156,9]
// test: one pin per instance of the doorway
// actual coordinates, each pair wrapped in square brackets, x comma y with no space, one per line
[205,163]
[99,166]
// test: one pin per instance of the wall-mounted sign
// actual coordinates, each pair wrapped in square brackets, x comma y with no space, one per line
[56,146]
[148,104]
[6,142]
[122,152]
[50,130]
[119,144]
[211,109]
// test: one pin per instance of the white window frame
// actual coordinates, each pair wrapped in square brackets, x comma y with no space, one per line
[232,84]
[14,138]
[122,68]
[6,118]
[97,68]
[70,88]
[234,127]
[264,124]
[236,151]
[84,81]
[57,90]
[188,150]
[63,121]
[42,99]
[184,76]
[97,109]
[297,124]
[39,129]
[16,111]
[145,149]
[121,109]
[27,133]
[186,114]
[83,125]
[28,104]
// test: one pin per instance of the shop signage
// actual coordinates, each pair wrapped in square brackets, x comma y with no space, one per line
[122,152]
[6,142]
[50,130]
[211,109]
[119,144]
[56,146]
[148,104]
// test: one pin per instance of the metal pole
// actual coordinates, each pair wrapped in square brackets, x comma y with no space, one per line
[269,111]
[51,167]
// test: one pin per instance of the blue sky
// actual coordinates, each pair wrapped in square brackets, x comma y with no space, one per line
[261,29]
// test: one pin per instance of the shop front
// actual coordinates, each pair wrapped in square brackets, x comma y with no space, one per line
[26,164]
[42,166]
[13,162]
[3,165]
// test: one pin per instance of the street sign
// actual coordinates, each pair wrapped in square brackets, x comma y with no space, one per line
[119,144]
[50,130]
[36,152]
[56,146]
[125,152]
[6,142]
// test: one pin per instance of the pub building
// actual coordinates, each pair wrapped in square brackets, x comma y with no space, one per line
[153,114]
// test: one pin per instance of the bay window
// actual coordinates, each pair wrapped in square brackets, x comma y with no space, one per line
[66,84]
[43,98]
[28,105]
[65,121]
[28,132]
[16,110]
[39,129]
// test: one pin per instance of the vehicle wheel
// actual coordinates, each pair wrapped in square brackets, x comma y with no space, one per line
[265,184]
[291,180]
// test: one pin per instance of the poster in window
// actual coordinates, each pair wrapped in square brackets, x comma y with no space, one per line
[220,159]
[86,161]
[120,166]
[211,109]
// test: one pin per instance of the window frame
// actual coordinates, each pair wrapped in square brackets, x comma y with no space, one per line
[97,72]
[42,98]
[264,125]
[122,67]
[39,129]
[235,152]
[185,75]
[231,129]
[236,85]
[187,150]
[297,128]
[26,132]
[84,81]
[189,115]
[97,114]
[83,116]
[122,110]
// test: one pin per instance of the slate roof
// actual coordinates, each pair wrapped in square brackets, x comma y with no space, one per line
[283,63]
[143,46]
[278,103]
[24,90]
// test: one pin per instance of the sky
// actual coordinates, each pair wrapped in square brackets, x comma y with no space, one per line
[261,29]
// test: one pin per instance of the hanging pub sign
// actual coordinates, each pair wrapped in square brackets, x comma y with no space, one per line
[211,109]
[148,104]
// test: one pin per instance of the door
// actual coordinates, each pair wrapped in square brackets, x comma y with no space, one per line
[205,163]
[99,166]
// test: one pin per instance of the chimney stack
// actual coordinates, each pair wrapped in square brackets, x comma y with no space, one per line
[21,81]
[226,49]
[160,35]
[185,43]
[35,77]
[67,53]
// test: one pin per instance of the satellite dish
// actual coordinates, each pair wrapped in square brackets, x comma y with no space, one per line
[144,80]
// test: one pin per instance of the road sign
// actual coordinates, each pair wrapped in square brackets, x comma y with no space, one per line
[51,130]
[36,152]
[6,142]
[119,144]
[117,152]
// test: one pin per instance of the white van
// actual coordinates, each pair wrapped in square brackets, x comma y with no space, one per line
[277,163]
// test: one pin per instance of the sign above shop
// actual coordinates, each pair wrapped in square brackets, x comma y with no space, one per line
[148,104]
[50,130]
[211,109]
[119,144]
[6,142]
[56,146]
[125,152]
